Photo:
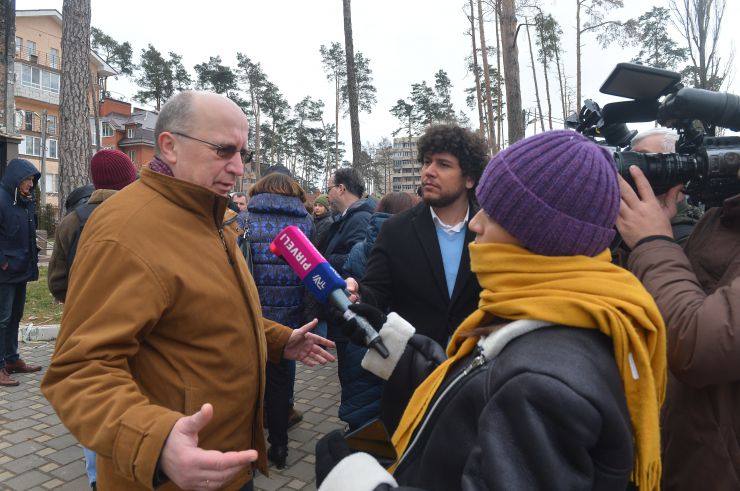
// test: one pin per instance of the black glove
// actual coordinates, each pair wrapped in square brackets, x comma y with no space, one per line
[329,451]
[374,316]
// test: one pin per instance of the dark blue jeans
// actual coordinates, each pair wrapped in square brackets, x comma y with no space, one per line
[12,301]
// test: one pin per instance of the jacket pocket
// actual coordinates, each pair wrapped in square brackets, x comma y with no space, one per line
[125,449]
[17,260]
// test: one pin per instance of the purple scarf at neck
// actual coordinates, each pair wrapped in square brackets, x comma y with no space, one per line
[157,165]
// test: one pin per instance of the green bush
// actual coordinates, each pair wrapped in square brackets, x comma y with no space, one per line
[48,220]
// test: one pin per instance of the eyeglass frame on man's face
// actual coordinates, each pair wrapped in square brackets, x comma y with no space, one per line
[329,188]
[223,151]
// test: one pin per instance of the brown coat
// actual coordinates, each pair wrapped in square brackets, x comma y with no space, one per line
[698,294]
[159,320]
[63,237]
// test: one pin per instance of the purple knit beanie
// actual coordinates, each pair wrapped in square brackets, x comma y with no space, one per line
[556,192]
[111,169]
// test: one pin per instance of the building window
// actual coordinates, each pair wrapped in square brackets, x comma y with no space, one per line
[18,45]
[51,125]
[52,183]
[54,58]
[132,155]
[31,48]
[40,79]
[107,129]
[31,145]
[52,149]
[130,132]
[28,121]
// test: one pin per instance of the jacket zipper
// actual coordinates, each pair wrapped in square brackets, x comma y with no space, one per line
[477,362]
[220,228]
[226,249]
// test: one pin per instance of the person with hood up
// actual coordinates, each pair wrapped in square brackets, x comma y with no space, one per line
[18,261]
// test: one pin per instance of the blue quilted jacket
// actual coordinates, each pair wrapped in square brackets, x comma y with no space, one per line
[280,290]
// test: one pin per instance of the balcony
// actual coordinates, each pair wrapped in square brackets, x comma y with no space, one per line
[37,57]
[37,94]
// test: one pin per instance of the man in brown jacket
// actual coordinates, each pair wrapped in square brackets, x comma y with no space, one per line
[698,292]
[160,362]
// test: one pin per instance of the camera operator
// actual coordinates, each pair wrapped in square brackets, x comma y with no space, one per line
[697,289]
[663,140]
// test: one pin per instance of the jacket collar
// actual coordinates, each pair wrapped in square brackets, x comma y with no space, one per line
[192,197]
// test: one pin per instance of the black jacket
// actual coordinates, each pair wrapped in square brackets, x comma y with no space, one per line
[547,413]
[346,231]
[18,225]
[405,274]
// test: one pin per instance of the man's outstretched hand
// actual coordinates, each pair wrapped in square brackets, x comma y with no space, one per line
[306,347]
[645,214]
[191,467]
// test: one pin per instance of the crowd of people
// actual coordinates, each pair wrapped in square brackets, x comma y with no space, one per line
[526,349]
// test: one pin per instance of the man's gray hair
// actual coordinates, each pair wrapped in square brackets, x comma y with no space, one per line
[175,115]
[670,138]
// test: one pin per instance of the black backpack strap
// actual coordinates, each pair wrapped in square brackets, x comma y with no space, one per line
[83,212]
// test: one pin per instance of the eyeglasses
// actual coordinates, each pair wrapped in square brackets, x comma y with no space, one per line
[330,187]
[223,151]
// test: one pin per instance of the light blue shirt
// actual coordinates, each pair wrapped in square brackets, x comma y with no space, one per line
[451,239]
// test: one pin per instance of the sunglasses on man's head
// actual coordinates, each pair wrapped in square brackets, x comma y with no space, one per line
[223,151]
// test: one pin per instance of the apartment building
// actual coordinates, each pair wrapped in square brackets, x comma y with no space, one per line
[406,168]
[37,72]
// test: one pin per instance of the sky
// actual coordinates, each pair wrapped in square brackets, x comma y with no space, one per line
[407,41]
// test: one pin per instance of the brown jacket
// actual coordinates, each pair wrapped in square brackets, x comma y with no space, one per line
[65,232]
[159,320]
[698,294]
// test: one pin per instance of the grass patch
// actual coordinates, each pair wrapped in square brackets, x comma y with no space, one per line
[41,308]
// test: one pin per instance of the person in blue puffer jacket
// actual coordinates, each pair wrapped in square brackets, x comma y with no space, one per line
[277,201]
[362,393]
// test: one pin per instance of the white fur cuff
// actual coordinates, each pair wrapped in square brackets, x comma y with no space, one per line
[395,334]
[358,472]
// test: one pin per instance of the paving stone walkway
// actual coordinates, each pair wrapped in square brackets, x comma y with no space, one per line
[38,453]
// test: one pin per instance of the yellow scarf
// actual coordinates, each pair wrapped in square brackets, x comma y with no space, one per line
[577,291]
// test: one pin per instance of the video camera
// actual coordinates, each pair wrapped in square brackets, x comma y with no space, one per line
[709,166]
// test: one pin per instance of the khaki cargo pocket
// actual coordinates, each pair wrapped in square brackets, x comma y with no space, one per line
[125,449]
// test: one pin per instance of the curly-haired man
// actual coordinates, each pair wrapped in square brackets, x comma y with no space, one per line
[420,266]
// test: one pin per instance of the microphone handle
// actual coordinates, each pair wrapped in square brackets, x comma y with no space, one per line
[339,299]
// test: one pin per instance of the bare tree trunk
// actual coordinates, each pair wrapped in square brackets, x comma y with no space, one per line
[354,116]
[336,125]
[511,71]
[74,136]
[499,108]
[257,141]
[534,77]
[476,73]
[547,79]
[492,144]
[562,85]
[578,53]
